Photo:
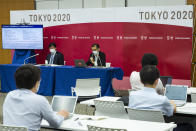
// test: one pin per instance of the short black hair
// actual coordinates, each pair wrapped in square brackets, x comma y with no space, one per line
[26,76]
[52,44]
[95,44]
[149,59]
[149,74]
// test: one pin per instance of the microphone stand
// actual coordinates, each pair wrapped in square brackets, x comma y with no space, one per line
[30,57]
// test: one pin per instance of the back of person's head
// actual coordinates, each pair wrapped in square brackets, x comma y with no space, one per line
[26,76]
[95,45]
[149,74]
[52,45]
[149,59]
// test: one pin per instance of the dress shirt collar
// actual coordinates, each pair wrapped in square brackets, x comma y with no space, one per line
[149,89]
[26,91]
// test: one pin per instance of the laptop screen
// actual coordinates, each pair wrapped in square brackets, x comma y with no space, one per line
[64,103]
[80,63]
[176,92]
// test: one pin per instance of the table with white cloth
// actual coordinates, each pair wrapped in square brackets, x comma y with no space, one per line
[184,114]
[189,108]
[80,122]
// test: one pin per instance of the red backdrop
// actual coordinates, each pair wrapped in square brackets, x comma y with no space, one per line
[173,50]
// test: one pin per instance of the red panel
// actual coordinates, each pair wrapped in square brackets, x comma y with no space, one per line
[174,54]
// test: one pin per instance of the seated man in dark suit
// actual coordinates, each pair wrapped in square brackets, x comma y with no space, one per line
[54,57]
[97,58]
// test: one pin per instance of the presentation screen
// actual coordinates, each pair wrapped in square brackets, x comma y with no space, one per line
[22,36]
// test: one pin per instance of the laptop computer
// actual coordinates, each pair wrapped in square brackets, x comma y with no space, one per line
[80,63]
[177,93]
[67,103]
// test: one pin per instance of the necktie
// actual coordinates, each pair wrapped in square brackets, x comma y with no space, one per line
[51,59]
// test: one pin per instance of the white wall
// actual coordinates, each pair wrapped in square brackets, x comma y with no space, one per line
[68,4]
[114,3]
[155,2]
[64,4]
[142,3]
[41,4]
[171,2]
[58,4]
[93,4]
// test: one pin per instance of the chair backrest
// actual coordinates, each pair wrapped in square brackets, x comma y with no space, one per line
[113,109]
[12,128]
[166,80]
[145,115]
[87,82]
[87,87]
[95,128]
[193,97]
[123,84]
[181,82]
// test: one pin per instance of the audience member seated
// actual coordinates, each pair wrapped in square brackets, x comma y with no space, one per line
[147,59]
[23,107]
[147,98]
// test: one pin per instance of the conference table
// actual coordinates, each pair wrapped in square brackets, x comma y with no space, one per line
[189,108]
[80,122]
[183,114]
[58,80]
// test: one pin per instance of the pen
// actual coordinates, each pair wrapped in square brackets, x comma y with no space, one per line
[76,119]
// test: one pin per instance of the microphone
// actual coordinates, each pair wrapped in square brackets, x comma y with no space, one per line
[30,57]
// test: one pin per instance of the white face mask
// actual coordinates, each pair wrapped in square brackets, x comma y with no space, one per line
[52,50]
[95,52]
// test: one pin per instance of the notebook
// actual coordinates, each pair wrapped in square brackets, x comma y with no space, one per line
[177,93]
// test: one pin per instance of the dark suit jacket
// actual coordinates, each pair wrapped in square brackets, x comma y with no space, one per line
[58,58]
[101,59]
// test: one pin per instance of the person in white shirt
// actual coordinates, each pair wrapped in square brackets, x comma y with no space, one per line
[147,98]
[23,107]
[136,84]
